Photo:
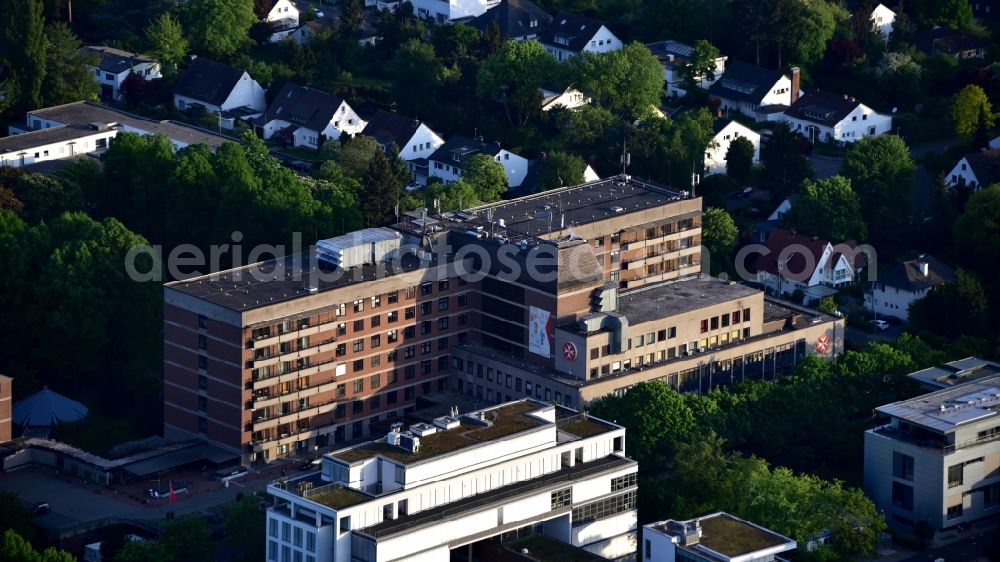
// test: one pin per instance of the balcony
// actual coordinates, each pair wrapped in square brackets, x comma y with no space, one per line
[302,392]
[294,373]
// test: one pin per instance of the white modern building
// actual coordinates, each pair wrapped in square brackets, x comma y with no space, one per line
[718,537]
[903,284]
[674,56]
[444,11]
[73,129]
[115,65]
[938,458]
[459,481]
[725,133]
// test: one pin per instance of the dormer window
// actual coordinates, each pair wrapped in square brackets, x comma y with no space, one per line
[533,23]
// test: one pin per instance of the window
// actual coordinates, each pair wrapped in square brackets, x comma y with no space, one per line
[359,365]
[902,466]
[463,299]
[359,325]
[425,347]
[345,524]
[425,367]
[376,340]
[443,323]
[604,508]
[622,482]
[358,345]
[202,322]
[392,335]
[425,327]
[410,313]
[955,475]
[704,326]
[376,301]
[202,403]
[357,407]
[426,288]
[443,285]
[341,390]
[955,511]
[902,496]
[359,305]
[393,316]
[202,425]
[991,495]
[409,332]
[375,401]
[359,386]
[562,498]
[442,343]
[342,329]
[443,303]
[409,352]
[426,308]
[393,297]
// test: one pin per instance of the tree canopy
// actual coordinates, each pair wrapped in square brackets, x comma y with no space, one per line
[829,209]
[561,169]
[970,110]
[514,75]
[628,81]
[881,171]
[218,28]
[167,42]
[739,159]
[22,32]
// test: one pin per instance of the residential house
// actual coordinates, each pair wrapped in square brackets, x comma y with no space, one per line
[220,89]
[73,129]
[516,19]
[951,42]
[936,459]
[115,65]
[674,56]
[569,34]
[305,32]
[444,11]
[976,170]
[883,20]
[823,117]
[569,98]
[717,537]
[438,490]
[448,161]
[309,115]
[814,266]
[282,10]
[783,208]
[755,91]
[903,284]
[414,139]
[726,131]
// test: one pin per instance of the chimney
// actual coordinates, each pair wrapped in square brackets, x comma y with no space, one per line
[923,266]
[795,84]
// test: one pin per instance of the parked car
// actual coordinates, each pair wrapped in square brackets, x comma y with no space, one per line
[40,508]
[880,324]
[312,464]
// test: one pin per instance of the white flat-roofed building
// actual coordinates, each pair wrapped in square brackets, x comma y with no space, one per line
[522,467]
[938,458]
[718,537]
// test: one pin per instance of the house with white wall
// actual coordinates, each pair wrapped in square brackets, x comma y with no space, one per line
[413,138]
[448,161]
[674,56]
[569,34]
[422,492]
[726,131]
[824,117]
[903,284]
[796,262]
[567,98]
[282,10]
[444,11]
[114,66]
[717,537]
[309,115]
[754,91]
[883,20]
[975,170]
[218,88]
[516,19]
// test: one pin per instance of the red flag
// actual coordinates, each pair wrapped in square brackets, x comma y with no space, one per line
[173,496]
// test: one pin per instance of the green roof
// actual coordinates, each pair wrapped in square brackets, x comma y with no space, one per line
[733,537]
[511,419]
[337,497]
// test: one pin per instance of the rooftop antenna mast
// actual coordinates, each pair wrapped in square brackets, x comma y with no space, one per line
[695,179]
[626,157]
[489,218]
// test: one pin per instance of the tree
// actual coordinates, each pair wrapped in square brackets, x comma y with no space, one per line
[351,16]
[142,551]
[14,548]
[952,309]
[491,41]
[418,76]
[828,305]
[657,419]
[189,538]
[700,66]
[561,168]
[718,234]
[881,171]
[829,209]
[67,77]
[381,193]
[970,108]
[244,525]
[13,514]
[218,28]
[977,232]
[784,165]
[167,43]
[628,81]
[453,196]
[513,76]
[46,197]
[486,176]
[739,159]
[22,34]
[356,154]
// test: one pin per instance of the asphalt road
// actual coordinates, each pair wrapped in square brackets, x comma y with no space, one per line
[965,550]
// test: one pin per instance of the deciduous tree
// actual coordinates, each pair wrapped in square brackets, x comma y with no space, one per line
[829,209]
[881,172]
[628,81]
[167,43]
[970,108]
[22,31]
[218,28]
[560,169]
[739,159]
[701,64]
[486,176]
[718,234]
[513,76]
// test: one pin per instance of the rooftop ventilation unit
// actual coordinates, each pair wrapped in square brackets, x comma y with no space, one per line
[423,429]
[409,442]
[616,209]
[362,247]
[447,422]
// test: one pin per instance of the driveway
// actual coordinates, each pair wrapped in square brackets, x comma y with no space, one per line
[825,166]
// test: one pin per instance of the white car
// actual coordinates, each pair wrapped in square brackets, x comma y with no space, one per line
[320,14]
[880,324]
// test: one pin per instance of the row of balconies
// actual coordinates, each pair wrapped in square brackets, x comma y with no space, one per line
[326,345]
